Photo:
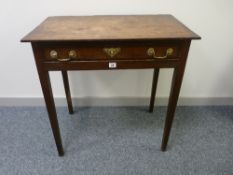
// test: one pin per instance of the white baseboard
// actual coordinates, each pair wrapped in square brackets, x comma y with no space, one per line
[119,101]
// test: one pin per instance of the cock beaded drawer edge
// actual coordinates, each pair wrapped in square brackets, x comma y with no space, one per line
[63,43]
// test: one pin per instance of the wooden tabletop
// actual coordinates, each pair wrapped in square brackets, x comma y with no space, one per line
[124,27]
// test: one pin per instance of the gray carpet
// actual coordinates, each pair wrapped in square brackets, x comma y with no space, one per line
[117,141]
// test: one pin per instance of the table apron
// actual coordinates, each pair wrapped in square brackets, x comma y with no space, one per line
[104,65]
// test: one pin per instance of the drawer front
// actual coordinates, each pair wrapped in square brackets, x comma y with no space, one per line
[67,53]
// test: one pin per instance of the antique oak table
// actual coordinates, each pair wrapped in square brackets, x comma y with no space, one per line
[65,43]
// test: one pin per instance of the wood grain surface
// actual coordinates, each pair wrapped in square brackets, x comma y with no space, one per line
[124,27]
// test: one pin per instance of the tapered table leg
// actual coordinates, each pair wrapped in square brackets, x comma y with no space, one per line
[153,89]
[67,91]
[48,96]
[174,95]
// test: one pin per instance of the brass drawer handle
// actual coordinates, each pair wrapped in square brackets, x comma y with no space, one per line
[63,59]
[54,55]
[151,52]
[112,51]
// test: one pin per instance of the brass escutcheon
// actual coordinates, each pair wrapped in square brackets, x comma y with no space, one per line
[112,51]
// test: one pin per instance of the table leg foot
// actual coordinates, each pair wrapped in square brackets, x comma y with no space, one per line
[61,153]
[163,148]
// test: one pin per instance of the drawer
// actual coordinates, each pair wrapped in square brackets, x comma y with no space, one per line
[113,52]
